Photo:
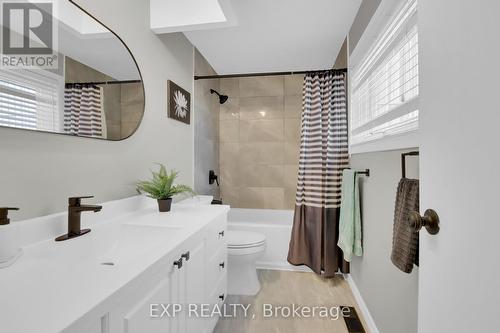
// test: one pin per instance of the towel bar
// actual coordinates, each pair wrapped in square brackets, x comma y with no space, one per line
[403,161]
[366,172]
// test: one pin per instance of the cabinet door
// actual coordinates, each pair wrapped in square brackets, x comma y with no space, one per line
[140,320]
[180,287]
[194,286]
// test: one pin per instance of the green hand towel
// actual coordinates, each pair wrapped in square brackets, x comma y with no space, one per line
[350,217]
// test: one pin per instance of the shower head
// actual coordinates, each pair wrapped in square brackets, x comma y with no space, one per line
[222,98]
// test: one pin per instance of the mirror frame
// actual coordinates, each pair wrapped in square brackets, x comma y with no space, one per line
[141,79]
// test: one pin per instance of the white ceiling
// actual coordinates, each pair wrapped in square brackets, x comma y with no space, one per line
[104,53]
[278,35]
[89,42]
[186,15]
[86,40]
[70,15]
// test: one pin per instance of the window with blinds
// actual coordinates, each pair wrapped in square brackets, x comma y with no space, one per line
[384,99]
[30,100]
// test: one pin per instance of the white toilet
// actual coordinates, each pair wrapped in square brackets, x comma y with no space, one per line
[244,248]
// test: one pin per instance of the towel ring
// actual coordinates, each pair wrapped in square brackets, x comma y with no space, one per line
[403,161]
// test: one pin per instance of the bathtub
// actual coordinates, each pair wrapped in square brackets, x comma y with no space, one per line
[276,225]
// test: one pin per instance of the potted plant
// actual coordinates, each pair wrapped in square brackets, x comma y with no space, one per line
[161,187]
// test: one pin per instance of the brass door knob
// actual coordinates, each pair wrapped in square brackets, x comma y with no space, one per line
[430,221]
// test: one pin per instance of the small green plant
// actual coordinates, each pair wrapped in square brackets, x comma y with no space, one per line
[161,186]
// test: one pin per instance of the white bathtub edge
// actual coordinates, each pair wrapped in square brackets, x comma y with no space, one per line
[259,225]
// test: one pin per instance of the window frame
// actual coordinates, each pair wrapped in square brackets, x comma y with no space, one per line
[385,16]
[21,77]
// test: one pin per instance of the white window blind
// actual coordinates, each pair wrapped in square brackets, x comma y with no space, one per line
[384,99]
[29,100]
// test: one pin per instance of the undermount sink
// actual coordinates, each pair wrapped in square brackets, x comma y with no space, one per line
[106,244]
[132,240]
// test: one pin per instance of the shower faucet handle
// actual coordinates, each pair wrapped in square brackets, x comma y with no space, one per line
[212,177]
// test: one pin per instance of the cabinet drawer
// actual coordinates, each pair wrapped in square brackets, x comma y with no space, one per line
[216,234]
[216,268]
[215,300]
[219,293]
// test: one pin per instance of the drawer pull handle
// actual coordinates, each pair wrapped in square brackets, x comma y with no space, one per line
[221,234]
[186,256]
[222,297]
[222,264]
[178,263]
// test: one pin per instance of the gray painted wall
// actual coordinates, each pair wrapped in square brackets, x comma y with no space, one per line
[39,171]
[391,295]
[206,127]
[365,13]
[341,61]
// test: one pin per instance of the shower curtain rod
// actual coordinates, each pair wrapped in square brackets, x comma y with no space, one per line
[228,76]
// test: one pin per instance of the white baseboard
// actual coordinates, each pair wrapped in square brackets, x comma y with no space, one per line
[281,266]
[372,328]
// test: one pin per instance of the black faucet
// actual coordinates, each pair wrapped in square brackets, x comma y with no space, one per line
[4,215]
[75,208]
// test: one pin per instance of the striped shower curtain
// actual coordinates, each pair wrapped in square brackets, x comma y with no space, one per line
[83,110]
[323,156]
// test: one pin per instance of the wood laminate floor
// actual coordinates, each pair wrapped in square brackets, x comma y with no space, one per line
[284,288]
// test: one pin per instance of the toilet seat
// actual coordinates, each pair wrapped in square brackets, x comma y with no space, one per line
[244,239]
[243,251]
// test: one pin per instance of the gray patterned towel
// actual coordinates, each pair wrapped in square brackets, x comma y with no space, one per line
[405,239]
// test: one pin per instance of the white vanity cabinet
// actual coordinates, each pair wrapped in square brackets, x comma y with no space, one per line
[164,308]
[200,280]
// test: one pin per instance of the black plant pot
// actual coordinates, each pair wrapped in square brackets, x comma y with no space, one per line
[164,205]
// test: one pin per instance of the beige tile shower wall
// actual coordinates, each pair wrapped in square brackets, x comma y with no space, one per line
[131,105]
[259,141]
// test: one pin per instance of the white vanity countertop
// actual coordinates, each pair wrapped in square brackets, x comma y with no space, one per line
[55,283]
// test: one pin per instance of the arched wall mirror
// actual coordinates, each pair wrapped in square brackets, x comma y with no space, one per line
[70,75]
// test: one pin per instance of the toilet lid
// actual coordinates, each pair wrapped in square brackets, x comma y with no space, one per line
[239,239]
